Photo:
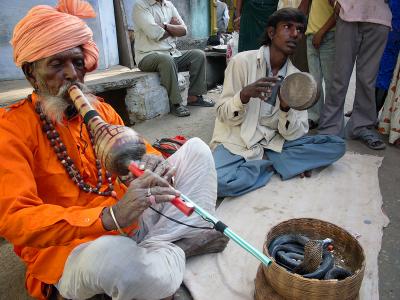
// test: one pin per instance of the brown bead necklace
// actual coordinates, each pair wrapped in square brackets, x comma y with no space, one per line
[61,151]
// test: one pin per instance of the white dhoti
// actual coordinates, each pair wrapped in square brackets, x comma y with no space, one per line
[149,266]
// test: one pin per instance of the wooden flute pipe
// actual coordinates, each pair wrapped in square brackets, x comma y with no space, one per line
[115,145]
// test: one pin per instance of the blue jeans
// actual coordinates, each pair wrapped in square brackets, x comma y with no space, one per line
[236,176]
[320,65]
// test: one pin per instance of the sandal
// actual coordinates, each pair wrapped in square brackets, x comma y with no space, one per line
[180,111]
[201,102]
[371,139]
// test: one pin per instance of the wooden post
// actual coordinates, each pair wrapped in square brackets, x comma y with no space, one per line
[124,43]
[213,17]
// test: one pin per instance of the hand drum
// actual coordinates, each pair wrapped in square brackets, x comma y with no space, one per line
[299,90]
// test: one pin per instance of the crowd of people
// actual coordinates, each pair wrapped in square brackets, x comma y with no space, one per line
[83,231]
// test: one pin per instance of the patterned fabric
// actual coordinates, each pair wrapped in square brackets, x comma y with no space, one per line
[389,57]
[390,117]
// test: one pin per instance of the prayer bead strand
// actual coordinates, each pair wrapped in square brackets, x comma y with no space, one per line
[67,162]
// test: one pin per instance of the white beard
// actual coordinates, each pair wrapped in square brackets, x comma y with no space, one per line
[54,106]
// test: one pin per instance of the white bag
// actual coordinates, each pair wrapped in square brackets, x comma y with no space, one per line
[232,46]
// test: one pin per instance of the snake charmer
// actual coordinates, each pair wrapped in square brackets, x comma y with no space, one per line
[79,229]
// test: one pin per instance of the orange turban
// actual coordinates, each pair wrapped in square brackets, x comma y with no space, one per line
[46,31]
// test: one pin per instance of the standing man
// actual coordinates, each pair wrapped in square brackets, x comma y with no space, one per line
[157,25]
[254,138]
[222,16]
[361,33]
[320,50]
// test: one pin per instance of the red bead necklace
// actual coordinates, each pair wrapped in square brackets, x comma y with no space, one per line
[67,162]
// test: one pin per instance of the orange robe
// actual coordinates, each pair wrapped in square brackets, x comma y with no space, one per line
[42,212]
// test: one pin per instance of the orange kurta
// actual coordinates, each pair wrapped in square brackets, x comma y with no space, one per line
[42,212]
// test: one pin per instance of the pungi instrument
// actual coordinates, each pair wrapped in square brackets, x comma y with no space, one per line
[118,147]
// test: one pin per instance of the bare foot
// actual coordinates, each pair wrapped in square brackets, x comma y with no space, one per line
[205,242]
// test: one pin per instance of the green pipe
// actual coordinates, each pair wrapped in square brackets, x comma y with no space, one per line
[227,231]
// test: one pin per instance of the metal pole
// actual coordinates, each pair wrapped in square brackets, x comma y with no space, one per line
[228,232]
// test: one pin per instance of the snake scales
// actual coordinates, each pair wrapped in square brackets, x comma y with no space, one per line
[307,257]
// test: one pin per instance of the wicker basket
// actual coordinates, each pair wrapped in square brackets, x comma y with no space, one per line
[293,286]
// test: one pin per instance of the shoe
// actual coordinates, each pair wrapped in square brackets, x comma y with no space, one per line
[201,102]
[180,111]
[371,139]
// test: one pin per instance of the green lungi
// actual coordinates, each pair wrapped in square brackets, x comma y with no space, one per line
[253,21]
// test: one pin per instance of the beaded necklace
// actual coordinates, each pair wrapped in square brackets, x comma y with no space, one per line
[67,162]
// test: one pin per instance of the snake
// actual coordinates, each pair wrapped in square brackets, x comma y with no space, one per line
[288,251]
[337,273]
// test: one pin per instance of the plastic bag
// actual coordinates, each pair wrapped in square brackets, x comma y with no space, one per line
[232,46]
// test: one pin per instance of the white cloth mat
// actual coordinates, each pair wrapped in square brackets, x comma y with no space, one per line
[346,194]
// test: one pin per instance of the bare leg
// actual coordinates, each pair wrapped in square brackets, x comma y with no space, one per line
[205,242]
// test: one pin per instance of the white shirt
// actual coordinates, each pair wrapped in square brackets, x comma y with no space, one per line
[246,129]
[148,17]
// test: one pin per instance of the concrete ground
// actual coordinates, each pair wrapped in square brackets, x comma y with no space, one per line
[201,124]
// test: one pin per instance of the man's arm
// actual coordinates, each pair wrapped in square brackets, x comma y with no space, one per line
[319,35]
[24,218]
[176,26]
[174,29]
[304,6]
[238,12]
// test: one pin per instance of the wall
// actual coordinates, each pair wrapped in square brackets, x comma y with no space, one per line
[200,11]
[103,27]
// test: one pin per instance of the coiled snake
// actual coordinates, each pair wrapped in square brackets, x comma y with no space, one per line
[309,258]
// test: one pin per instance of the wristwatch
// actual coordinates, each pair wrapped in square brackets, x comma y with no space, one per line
[165,26]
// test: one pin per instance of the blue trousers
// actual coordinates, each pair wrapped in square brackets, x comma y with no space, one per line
[236,176]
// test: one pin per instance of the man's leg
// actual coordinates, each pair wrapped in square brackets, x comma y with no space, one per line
[327,60]
[236,176]
[347,41]
[164,64]
[314,66]
[194,61]
[307,153]
[118,267]
[374,38]
[196,178]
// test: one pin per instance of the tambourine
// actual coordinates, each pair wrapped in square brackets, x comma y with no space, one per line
[299,90]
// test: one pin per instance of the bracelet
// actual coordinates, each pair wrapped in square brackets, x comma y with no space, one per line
[116,223]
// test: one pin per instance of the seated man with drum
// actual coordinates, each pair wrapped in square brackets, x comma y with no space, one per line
[79,229]
[259,132]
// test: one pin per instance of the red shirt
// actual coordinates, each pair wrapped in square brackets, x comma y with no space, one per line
[42,212]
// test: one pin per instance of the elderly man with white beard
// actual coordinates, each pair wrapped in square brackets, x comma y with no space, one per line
[80,230]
